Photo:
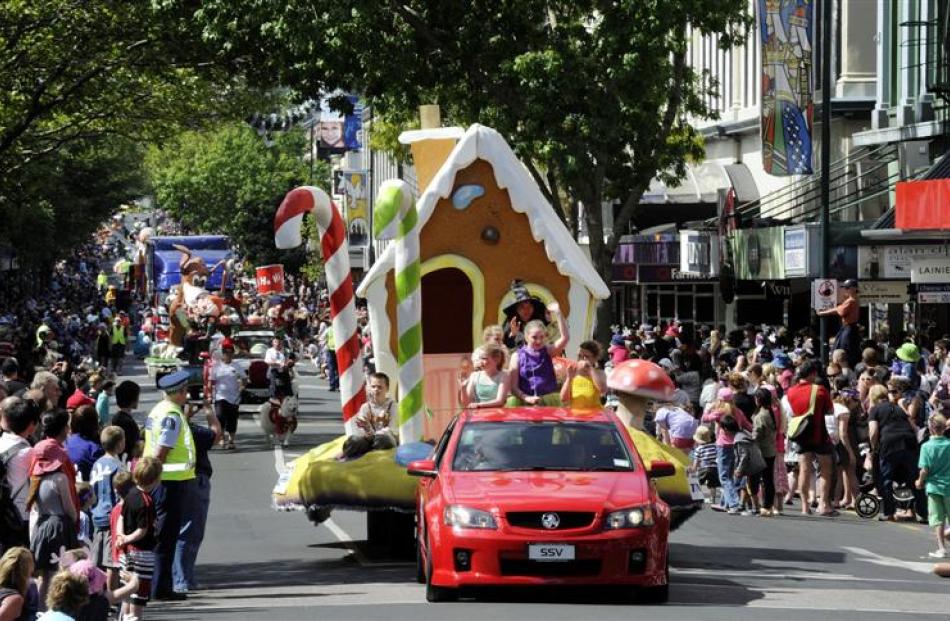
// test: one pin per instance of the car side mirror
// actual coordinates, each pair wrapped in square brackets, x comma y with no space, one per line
[659,469]
[422,468]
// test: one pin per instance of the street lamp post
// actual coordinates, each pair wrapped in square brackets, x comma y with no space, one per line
[826,15]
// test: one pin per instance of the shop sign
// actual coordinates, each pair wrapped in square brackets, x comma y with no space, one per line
[801,251]
[933,294]
[930,270]
[665,273]
[883,292]
[699,253]
[894,261]
[824,293]
[760,253]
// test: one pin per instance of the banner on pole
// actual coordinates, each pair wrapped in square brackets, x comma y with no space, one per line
[787,87]
[270,279]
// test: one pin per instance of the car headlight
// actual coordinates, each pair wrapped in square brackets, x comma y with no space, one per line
[466,517]
[634,517]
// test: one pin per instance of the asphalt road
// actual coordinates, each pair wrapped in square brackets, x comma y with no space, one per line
[257,563]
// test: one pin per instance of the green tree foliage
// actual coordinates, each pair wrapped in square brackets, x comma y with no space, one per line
[57,203]
[80,82]
[228,181]
[595,95]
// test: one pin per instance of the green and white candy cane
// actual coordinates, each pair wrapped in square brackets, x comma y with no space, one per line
[396,218]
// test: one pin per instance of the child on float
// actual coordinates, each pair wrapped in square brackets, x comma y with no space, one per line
[586,383]
[494,334]
[374,421]
[488,387]
[533,381]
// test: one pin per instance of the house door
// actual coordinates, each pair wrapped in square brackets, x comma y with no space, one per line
[446,312]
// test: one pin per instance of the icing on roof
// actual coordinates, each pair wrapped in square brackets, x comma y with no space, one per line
[480,142]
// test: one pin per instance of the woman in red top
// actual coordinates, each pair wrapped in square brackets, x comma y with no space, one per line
[816,444]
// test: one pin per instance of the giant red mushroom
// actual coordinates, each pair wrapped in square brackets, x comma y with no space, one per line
[636,383]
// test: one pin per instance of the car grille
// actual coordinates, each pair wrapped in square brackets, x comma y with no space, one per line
[532,519]
[523,567]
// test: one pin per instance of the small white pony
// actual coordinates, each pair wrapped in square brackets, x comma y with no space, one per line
[278,420]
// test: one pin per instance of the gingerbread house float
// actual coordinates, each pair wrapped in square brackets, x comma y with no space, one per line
[483,223]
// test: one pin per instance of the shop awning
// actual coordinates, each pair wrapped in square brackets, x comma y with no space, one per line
[702,184]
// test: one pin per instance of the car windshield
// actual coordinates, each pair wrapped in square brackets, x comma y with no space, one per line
[550,445]
[251,345]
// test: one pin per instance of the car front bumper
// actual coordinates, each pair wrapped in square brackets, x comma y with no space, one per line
[501,558]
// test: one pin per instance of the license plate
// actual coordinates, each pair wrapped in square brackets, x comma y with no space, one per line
[550,552]
[695,489]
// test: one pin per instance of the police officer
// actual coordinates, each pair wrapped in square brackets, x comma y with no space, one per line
[168,437]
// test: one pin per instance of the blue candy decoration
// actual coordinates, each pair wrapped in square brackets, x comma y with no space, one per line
[464,196]
[412,451]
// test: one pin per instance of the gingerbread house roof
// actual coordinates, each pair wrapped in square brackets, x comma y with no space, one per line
[480,142]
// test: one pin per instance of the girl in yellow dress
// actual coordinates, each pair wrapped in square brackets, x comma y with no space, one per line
[585,383]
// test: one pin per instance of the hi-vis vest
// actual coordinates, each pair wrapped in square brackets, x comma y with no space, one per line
[118,332]
[180,461]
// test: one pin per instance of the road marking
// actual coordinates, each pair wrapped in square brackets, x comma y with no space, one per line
[886,561]
[797,575]
[344,538]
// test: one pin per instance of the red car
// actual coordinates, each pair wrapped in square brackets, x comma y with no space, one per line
[540,496]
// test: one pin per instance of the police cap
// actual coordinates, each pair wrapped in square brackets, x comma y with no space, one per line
[174,382]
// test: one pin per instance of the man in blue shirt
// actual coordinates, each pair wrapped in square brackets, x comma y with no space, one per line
[196,511]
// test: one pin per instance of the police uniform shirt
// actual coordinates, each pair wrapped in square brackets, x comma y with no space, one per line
[170,429]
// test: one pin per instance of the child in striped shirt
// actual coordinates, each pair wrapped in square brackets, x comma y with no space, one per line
[704,461]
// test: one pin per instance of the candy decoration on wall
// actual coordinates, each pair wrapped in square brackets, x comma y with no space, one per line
[336,259]
[396,217]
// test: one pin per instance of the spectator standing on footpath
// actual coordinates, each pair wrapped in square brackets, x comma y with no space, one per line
[815,444]
[934,478]
[20,418]
[196,512]
[127,401]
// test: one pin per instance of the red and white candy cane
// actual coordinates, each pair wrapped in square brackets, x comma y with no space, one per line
[336,259]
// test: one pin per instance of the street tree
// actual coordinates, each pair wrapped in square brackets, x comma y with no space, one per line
[77,76]
[596,96]
[227,180]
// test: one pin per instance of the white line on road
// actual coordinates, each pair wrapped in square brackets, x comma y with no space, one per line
[872,557]
[345,539]
[798,575]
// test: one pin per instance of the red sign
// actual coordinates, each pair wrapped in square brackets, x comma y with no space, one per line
[270,279]
[923,204]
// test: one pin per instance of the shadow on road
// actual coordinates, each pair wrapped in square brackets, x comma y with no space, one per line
[688,556]
[297,573]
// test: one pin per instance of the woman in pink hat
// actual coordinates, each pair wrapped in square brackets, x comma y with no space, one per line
[52,500]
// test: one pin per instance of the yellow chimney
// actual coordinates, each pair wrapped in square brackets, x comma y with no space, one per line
[430,145]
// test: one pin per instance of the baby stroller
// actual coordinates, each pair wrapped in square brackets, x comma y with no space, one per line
[868,503]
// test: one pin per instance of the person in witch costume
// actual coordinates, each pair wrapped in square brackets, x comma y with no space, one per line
[525,308]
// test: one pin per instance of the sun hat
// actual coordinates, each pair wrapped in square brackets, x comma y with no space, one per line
[95,576]
[725,394]
[48,456]
[908,352]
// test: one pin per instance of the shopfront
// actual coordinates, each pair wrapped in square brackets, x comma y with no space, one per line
[651,285]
